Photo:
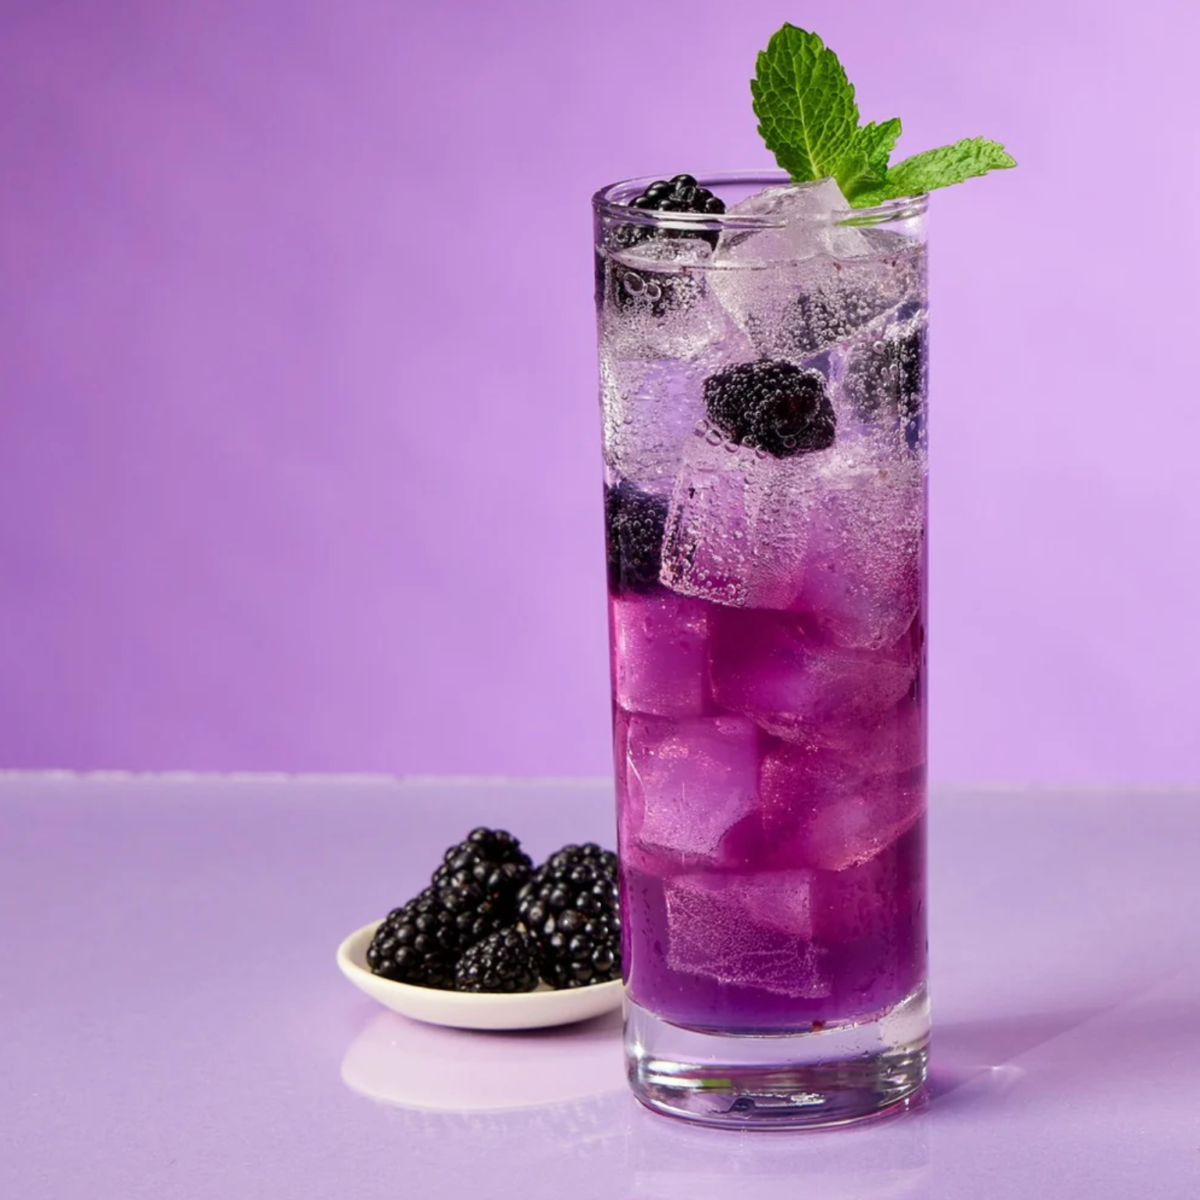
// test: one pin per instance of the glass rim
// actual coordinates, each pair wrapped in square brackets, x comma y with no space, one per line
[612,202]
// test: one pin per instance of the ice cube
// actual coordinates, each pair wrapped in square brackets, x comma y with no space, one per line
[707,547]
[773,668]
[829,813]
[650,409]
[812,282]
[860,578]
[747,931]
[805,223]
[801,311]
[738,524]
[660,653]
[688,782]
[892,745]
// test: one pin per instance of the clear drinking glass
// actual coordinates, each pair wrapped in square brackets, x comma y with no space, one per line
[763,386]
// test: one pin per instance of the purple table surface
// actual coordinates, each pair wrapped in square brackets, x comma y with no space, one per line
[172,1023]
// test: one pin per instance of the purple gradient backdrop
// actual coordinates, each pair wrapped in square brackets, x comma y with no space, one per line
[298,432]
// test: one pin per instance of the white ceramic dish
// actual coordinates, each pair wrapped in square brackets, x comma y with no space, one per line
[470,1010]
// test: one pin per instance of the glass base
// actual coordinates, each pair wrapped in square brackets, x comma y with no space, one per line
[816,1078]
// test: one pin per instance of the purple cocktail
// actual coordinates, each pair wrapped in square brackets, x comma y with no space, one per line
[763,378]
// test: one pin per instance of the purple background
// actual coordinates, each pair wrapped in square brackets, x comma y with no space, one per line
[298,432]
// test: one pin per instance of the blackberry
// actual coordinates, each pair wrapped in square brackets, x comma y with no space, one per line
[681,194]
[488,868]
[635,523]
[505,961]
[661,291]
[773,406]
[892,373]
[419,942]
[570,909]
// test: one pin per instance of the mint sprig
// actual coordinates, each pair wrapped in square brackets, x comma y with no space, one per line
[808,118]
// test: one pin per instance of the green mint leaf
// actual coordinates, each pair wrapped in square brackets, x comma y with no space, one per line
[804,104]
[863,167]
[938,168]
[876,141]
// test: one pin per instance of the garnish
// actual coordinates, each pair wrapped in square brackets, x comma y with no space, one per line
[809,119]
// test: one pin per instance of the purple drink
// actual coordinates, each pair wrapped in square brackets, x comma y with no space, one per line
[763,389]
[772,885]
